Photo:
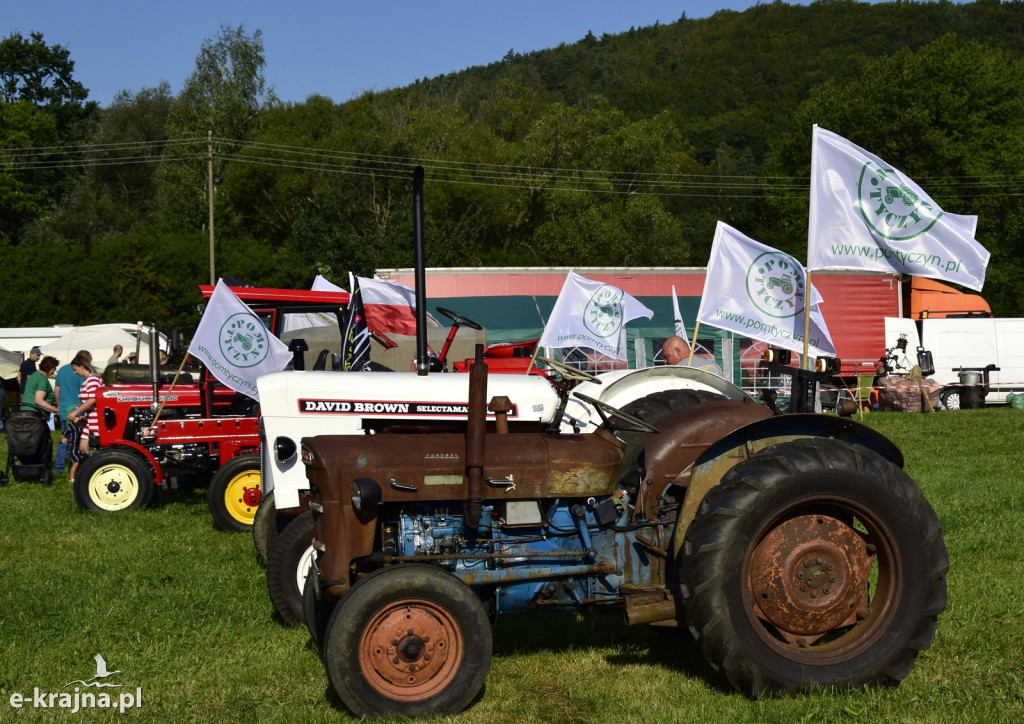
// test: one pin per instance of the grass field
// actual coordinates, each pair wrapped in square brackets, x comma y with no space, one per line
[181,610]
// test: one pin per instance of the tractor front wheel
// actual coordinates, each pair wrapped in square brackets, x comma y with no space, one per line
[409,639]
[113,480]
[288,566]
[234,493]
[814,564]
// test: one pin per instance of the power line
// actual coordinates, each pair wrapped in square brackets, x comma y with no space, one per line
[465,173]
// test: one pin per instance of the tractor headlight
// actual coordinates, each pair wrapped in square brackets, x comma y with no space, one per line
[827,365]
[365,495]
[284,449]
[776,355]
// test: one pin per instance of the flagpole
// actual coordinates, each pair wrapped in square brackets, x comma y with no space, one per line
[696,329]
[167,394]
[808,295]
[536,351]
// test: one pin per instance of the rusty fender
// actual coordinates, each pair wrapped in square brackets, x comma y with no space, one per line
[717,459]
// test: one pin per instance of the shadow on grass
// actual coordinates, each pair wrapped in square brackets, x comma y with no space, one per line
[557,632]
[561,632]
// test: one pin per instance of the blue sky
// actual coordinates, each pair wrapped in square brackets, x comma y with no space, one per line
[335,48]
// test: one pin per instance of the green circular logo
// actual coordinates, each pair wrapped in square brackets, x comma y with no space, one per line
[775,284]
[603,314]
[243,340]
[890,207]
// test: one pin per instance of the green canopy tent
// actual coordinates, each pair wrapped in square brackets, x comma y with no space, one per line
[518,318]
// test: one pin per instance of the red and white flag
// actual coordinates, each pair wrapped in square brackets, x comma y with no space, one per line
[389,307]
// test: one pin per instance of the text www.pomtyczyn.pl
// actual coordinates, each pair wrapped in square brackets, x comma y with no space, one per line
[78,700]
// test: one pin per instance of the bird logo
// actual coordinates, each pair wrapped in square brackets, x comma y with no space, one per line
[101,673]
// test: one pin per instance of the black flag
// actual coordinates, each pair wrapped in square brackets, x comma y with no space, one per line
[355,348]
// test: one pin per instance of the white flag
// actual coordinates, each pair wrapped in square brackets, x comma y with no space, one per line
[591,314]
[865,214]
[234,344]
[678,318]
[759,292]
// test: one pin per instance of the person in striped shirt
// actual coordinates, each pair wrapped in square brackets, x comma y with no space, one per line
[87,407]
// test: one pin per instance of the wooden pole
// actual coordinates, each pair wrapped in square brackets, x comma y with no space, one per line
[696,329]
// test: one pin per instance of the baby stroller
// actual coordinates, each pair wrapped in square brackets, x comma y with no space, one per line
[28,442]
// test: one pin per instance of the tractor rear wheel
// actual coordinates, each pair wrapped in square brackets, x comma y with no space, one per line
[234,493]
[112,480]
[288,566]
[814,564]
[409,639]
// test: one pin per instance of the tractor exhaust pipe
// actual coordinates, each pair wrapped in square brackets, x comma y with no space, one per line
[154,365]
[419,262]
[476,429]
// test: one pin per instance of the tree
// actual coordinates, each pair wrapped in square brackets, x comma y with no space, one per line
[225,95]
[951,117]
[42,107]
[31,70]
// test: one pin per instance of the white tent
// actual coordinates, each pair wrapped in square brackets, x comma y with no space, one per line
[99,340]
[10,362]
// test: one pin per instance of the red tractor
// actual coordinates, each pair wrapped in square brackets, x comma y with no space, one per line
[158,427]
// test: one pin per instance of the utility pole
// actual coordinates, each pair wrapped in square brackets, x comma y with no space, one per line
[209,193]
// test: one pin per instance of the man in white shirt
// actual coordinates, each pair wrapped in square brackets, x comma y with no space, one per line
[676,351]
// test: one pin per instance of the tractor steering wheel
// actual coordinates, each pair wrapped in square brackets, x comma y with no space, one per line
[459,319]
[567,372]
[617,416]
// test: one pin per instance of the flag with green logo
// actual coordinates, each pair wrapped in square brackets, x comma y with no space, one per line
[591,314]
[761,293]
[234,344]
[866,214]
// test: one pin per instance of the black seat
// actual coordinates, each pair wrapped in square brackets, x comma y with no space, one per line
[321,360]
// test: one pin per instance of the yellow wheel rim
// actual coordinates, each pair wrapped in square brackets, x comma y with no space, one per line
[113,487]
[242,496]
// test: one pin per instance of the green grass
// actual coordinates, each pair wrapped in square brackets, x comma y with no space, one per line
[181,610]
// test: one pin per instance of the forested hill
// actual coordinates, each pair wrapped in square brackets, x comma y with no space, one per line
[622,150]
[734,78]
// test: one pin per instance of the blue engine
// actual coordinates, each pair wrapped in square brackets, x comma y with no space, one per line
[560,552]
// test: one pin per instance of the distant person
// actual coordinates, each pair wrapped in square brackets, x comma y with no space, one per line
[27,368]
[163,359]
[65,393]
[676,351]
[38,390]
[74,422]
[116,357]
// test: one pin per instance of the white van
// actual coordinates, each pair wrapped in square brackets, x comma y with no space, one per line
[972,343]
